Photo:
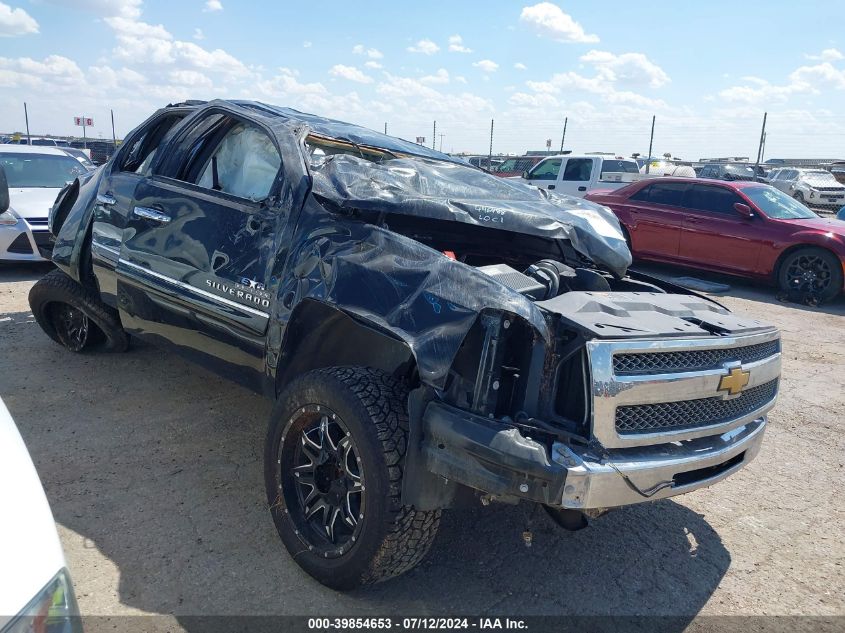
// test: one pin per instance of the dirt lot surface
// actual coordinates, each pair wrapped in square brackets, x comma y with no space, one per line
[153,469]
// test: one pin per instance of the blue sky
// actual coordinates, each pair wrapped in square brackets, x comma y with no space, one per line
[707,71]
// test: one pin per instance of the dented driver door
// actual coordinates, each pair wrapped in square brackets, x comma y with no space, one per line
[195,260]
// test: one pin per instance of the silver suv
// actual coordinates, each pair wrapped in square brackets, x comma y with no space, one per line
[813,187]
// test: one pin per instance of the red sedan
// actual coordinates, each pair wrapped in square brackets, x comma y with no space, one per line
[741,228]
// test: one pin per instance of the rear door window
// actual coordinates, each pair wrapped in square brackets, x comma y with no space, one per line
[228,155]
[666,193]
[711,199]
[139,155]
[578,169]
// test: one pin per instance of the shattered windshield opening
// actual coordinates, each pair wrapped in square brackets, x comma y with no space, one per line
[320,147]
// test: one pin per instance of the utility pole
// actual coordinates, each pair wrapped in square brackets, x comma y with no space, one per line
[113,135]
[760,147]
[385,128]
[563,137]
[434,136]
[650,144]
[84,135]
[26,117]
[441,142]
[763,153]
[490,155]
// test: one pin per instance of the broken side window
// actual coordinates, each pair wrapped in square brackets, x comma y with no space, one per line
[140,154]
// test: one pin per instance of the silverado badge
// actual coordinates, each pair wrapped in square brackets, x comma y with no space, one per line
[735,381]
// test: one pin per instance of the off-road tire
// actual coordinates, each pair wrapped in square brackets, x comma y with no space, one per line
[56,289]
[393,537]
[824,257]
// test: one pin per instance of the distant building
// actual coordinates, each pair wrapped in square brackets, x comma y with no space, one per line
[802,162]
[727,159]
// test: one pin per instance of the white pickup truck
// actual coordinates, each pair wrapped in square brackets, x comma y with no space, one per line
[577,175]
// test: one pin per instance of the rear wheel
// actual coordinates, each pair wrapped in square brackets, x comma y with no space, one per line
[812,270]
[74,316]
[333,469]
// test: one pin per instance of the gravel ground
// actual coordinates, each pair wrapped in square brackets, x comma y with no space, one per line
[153,470]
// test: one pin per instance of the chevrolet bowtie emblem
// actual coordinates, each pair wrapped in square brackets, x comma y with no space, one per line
[735,381]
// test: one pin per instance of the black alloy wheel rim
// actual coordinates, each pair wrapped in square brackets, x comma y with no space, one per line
[809,273]
[323,489]
[71,326]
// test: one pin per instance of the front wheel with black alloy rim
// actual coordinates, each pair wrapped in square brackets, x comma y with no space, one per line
[333,469]
[74,316]
[812,270]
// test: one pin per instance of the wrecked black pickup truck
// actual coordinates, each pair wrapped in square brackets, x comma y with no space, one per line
[433,335]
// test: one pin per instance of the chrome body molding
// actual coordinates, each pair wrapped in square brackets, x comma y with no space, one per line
[628,476]
[188,288]
[610,391]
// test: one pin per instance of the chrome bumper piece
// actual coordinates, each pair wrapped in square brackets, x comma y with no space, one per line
[627,476]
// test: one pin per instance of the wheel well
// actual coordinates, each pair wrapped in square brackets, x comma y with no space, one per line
[797,247]
[320,335]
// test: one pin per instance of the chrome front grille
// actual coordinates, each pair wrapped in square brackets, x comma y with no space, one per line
[690,360]
[645,392]
[690,414]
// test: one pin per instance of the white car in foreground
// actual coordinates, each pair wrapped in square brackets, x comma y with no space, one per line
[36,594]
[35,176]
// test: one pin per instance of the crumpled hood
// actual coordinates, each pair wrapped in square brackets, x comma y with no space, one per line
[32,202]
[450,191]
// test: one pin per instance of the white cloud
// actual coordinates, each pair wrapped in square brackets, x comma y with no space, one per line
[190,78]
[628,68]
[286,83]
[351,73]
[140,43]
[820,75]
[372,53]
[612,74]
[212,5]
[456,45]
[488,66]
[53,70]
[540,101]
[520,66]
[105,8]
[14,22]
[426,47]
[307,44]
[549,20]
[373,64]
[198,34]
[440,77]
[827,55]
[803,80]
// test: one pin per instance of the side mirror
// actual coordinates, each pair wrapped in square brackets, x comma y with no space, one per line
[743,209]
[4,191]
[525,174]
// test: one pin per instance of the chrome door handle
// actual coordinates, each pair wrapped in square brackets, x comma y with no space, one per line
[151,214]
[106,198]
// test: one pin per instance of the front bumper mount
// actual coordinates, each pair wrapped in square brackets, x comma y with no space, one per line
[499,460]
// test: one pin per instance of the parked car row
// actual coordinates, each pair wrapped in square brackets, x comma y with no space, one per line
[743,228]
[813,187]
